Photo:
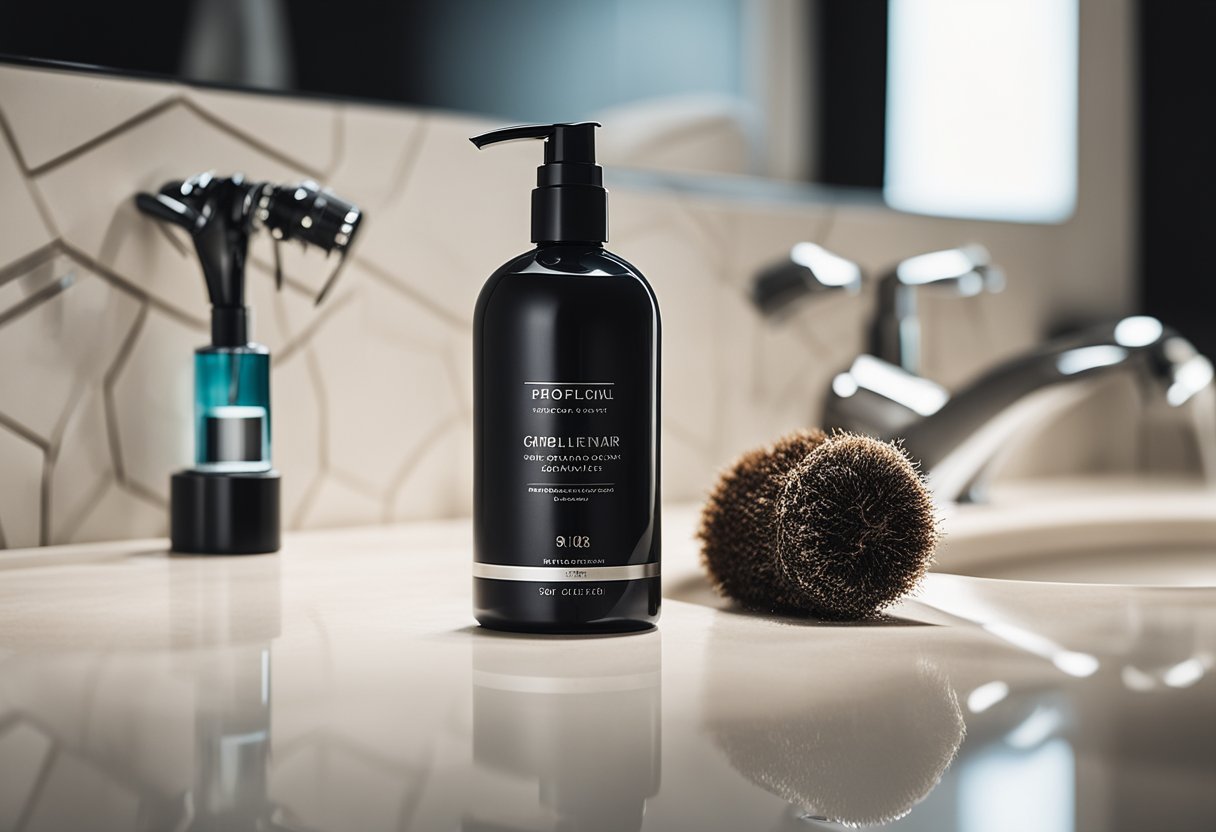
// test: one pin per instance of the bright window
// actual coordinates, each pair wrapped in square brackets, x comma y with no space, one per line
[982,108]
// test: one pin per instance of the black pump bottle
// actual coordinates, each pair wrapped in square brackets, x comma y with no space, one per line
[566,415]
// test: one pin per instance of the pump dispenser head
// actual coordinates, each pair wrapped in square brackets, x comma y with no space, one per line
[569,203]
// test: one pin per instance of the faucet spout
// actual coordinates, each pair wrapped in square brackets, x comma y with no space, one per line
[959,441]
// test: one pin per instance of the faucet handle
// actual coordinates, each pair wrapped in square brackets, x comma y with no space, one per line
[967,271]
[809,269]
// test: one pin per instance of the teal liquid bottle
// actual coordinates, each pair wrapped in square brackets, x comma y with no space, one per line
[232,409]
[228,502]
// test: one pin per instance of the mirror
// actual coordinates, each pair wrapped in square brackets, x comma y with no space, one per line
[950,107]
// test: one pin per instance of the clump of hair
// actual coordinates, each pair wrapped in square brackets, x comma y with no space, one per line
[837,527]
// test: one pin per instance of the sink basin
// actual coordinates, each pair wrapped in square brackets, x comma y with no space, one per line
[1157,538]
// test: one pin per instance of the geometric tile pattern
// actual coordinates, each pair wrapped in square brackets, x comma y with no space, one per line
[100,309]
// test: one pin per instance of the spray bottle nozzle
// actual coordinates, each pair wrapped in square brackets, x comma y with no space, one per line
[221,213]
[311,215]
[307,213]
[569,203]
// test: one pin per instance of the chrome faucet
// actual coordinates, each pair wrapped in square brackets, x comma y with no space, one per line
[810,269]
[963,272]
[959,438]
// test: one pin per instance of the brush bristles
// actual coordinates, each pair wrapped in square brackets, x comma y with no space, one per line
[836,527]
[737,521]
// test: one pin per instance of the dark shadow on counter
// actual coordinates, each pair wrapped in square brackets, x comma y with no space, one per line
[697,590]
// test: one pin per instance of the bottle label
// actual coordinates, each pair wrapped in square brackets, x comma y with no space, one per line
[570,481]
[572,449]
[572,467]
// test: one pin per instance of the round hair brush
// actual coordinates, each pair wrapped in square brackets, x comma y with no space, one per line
[838,527]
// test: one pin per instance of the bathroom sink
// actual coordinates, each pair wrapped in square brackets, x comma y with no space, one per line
[1104,534]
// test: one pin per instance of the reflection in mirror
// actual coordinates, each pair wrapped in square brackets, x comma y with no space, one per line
[564,737]
[947,106]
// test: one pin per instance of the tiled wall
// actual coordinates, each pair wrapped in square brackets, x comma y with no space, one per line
[371,391]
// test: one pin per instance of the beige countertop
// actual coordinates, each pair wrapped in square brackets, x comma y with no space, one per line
[343,685]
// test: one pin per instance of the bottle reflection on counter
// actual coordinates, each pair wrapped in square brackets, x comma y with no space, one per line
[231,742]
[172,731]
[580,727]
[226,654]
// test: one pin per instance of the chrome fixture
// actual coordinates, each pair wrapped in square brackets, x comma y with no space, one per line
[962,272]
[959,438]
[809,269]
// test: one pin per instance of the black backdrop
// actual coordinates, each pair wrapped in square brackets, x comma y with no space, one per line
[1178,166]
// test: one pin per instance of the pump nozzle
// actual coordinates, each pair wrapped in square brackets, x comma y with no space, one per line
[510,134]
[563,142]
[569,203]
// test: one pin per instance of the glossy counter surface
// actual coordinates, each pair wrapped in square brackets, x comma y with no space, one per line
[342,685]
